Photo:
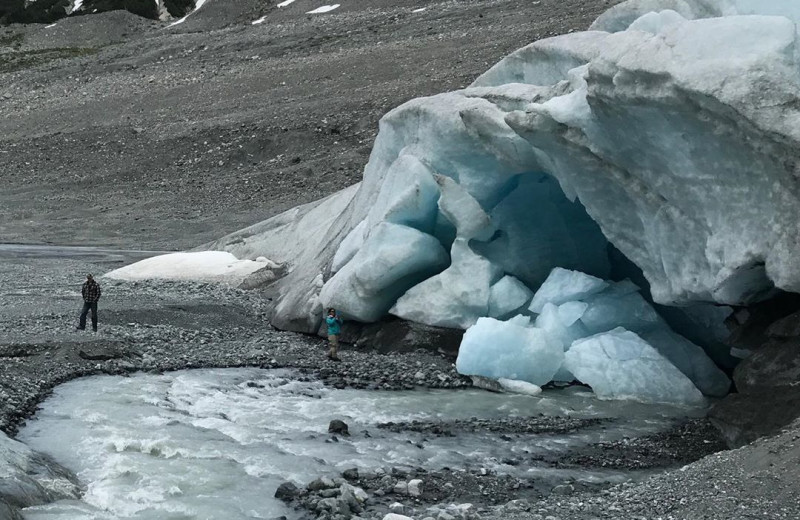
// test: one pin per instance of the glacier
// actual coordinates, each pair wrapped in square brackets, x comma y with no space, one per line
[666,134]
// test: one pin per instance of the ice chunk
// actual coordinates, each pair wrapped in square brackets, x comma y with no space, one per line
[519,387]
[571,312]
[349,246]
[520,320]
[609,310]
[408,197]
[393,259]
[502,350]
[563,285]
[691,360]
[507,296]
[655,23]
[627,15]
[551,322]
[665,186]
[457,297]
[463,210]
[562,324]
[621,365]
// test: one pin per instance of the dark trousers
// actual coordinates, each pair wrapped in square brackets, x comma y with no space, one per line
[87,306]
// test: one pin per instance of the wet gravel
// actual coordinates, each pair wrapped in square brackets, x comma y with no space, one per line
[517,425]
[685,443]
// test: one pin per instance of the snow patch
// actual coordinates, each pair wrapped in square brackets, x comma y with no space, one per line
[260,20]
[324,9]
[285,3]
[205,266]
[418,10]
[49,26]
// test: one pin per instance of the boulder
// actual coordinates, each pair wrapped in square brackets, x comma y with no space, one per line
[338,426]
[321,483]
[287,492]
[743,418]
[775,366]
[99,352]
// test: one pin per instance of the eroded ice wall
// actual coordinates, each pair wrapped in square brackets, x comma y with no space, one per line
[672,135]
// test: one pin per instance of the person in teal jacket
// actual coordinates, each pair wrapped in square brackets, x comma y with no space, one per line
[334,323]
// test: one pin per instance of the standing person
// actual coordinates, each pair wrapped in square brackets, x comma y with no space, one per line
[334,323]
[91,295]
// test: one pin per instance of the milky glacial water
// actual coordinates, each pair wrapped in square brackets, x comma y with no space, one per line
[217,443]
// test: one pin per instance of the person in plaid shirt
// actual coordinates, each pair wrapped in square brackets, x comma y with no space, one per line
[91,295]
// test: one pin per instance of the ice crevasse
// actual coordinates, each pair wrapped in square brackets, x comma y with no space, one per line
[667,132]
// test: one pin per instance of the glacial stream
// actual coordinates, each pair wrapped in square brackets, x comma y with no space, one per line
[217,443]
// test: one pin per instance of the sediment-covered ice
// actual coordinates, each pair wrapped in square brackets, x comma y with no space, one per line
[620,365]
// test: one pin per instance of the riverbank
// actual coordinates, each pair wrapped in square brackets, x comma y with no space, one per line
[164,326]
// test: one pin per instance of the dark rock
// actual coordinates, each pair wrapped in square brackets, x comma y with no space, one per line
[320,484]
[486,383]
[769,379]
[751,327]
[262,278]
[337,426]
[563,489]
[743,418]
[99,353]
[350,474]
[788,327]
[42,11]
[145,8]
[179,8]
[287,492]
[775,365]
[395,335]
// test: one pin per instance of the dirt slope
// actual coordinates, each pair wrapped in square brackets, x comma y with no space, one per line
[120,131]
